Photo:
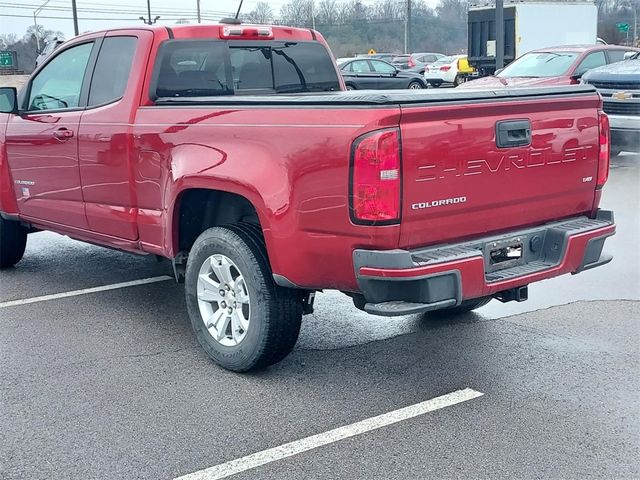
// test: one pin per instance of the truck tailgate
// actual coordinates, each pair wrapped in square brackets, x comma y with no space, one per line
[459,183]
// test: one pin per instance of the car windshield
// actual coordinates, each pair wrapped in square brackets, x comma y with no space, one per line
[540,64]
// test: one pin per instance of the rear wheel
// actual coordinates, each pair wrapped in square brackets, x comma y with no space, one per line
[350,87]
[457,81]
[241,318]
[13,241]
[465,307]
[415,86]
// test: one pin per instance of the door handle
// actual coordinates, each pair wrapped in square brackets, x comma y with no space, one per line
[63,134]
[513,133]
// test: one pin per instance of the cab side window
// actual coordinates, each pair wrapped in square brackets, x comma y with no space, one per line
[59,84]
[593,60]
[112,70]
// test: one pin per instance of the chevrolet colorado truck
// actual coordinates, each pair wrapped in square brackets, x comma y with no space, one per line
[235,152]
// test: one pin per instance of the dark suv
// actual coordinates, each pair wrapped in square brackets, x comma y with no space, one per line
[619,85]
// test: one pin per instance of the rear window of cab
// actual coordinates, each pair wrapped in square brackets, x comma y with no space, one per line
[205,68]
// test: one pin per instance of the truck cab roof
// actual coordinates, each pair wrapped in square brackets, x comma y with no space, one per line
[224,31]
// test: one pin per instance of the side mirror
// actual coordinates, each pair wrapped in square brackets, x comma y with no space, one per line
[576,76]
[498,71]
[629,55]
[8,100]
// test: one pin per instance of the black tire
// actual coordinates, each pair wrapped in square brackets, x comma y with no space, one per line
[415,85]
[350,87]
[457,81]
[465,307]
[13,241]
[435,84]
[276,312]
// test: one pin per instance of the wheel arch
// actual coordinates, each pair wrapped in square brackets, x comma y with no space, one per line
[198,207]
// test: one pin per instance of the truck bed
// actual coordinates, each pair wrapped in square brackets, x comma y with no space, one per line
[382,98]
[479,188]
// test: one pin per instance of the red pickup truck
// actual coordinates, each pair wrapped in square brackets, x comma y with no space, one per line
[234,151]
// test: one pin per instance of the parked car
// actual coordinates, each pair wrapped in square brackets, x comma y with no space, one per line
[373,74]
[418,61]
[233,152]
[563,65]
[342,60]
[401,62]
[619,85]
[379,56]
[453,69]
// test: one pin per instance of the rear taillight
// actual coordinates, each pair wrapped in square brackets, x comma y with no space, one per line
[375,178]
[411,62]
[445,68]
[605,149]
[240,32]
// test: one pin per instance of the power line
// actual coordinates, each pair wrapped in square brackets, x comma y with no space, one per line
[111,10]
[120,19]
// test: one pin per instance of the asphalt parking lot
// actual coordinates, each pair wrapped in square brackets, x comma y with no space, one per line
[111,384]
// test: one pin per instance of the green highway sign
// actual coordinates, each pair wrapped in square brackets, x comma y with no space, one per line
[8,59]
[623,27]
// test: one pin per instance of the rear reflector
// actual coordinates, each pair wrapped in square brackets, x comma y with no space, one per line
[375,178]
[240,32]
[605,149]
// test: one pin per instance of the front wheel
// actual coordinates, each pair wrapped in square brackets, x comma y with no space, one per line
[350,87]
[415,86]
[241,318]
[13,241]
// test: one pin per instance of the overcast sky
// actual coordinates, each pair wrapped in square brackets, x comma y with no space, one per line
[17,15]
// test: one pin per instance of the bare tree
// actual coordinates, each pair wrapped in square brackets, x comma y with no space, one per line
[297,13]
[327,12]
[389,9]
[262,13]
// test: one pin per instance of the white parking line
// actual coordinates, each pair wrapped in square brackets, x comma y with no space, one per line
[254,460]
[73,293]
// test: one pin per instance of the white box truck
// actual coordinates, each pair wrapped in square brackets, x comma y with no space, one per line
[528,25]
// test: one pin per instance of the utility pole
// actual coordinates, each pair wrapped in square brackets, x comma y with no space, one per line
[635,24]
[407,28]
[198,5]
[499,34]
[35,23]
[75,17]
[313,15]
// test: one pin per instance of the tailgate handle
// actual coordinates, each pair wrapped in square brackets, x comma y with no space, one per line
[513,133]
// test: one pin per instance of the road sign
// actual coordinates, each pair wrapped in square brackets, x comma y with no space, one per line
[623,27]
[8,59]
[372,52]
